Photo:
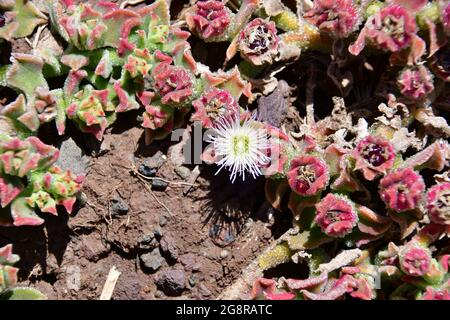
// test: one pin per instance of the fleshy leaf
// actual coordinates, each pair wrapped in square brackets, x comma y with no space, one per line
[23,294]
[25,74]
[22,18]
[278,255]
[23,215]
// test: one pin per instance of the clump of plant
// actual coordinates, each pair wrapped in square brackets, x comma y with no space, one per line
[8,279]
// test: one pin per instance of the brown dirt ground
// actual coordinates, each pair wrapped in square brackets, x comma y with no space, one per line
[214,220]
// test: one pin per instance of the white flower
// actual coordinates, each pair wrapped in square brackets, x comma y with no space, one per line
[240,148]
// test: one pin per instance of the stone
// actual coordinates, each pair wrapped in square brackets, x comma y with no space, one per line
[155,161]
[192,280]
[162,221]
[169,247]
[204,291]
[183,172]
[152,261]
[118,207]
[188,261]
[159,185]
[148,242]
[171,282]
[73,158]
[147,171]
[93,247]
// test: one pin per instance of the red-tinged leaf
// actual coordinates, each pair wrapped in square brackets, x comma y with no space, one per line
[9,190]
[8,277]
[6,255]
[344,285]
[75,61]
[15,108]
[23,17]
[155,14]
[262,287]
[116,22]
[23,215]
[433,157]
[26,73]
[104,67]
[411,5]
[230,81]
[126,102]
[68,204]
[295,284]
[363,290]
[372,223]
[72,82]
[280,296]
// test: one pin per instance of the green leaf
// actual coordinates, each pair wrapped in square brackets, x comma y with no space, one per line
[23,293]
[26,74]
[27,17]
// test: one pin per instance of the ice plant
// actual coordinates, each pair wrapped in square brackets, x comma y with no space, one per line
[8,279]
[45,105]
[374,155]
[391,29]
[267,289]
[91,110]
[8,274]
[415,82]
[213,105]
[55,187]
[436,294]
[307,175]
[258,42]
[20,157]
[336,215]
[415,260]
[20,18]
[337,18]
[438,203]
[240,147]
[90,27]
[173,84]
[278,152]
[402,190]
[209,19]
[23,163]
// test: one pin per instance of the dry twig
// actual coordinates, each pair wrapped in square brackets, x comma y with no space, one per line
[110,284]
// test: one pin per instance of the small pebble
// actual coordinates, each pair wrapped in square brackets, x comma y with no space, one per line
[118,207]
[183,172]
[162,221]
[192,280]
[159,185]
[155,161]
[148,238]
[147,171]
[152,261]
[224,254]
[171,282]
